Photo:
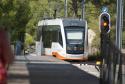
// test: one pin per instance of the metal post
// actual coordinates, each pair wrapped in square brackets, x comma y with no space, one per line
[119,25]
[123,65]
[122,6]
[83,9]
[65,8]
[49,8]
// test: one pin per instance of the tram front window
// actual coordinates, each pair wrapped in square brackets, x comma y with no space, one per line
[74,40]
[74,35]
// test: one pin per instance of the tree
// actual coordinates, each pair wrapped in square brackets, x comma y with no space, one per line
[14,14]
[6,13]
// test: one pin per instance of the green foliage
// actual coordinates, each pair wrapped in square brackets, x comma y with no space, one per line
[6,13]
[28,40]
[93,11]
[14,15]
[23,14]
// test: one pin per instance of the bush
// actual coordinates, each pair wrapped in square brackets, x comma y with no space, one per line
[28,40]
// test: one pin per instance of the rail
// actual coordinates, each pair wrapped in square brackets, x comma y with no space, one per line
[113,62]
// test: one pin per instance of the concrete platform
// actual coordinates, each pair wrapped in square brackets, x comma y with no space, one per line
[47,70]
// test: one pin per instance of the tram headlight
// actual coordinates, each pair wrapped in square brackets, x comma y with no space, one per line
[81,49]
[69,48]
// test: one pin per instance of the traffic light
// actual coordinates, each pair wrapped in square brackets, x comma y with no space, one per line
[104,23]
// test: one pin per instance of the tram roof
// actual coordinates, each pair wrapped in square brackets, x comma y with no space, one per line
[66,22]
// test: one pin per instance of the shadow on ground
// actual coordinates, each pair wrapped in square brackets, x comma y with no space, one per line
[50,73]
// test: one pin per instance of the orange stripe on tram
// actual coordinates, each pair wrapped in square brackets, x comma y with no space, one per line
[64,58]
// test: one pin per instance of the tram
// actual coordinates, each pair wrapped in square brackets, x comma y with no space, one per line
[65,39]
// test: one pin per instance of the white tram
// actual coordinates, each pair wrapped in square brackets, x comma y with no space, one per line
[65,39]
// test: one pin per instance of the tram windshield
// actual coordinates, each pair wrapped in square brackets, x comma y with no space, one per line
[74,35]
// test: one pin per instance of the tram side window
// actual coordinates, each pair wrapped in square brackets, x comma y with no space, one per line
[50,34]
[60,39]
[38,33]
[45,38]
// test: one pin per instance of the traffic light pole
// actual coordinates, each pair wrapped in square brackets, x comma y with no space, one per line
[105,63]
[104,26]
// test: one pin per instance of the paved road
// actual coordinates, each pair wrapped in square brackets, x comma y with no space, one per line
[48,70]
